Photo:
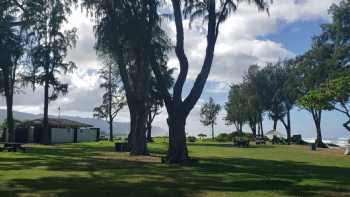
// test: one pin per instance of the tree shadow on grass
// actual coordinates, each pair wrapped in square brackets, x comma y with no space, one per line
[220,145]
[118,177]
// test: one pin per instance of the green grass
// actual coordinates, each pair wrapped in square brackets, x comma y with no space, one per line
[94,169]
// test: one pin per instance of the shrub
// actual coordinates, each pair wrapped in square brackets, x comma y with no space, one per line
[227,137]
[223,137]
[191,139]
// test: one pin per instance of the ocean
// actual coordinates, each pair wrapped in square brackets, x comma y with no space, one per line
[342,142]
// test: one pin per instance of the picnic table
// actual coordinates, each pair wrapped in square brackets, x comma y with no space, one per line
[12,147]
[240,142]
[260,140]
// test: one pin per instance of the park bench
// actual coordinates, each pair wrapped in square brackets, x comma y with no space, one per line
[12,147]
[240,142]
[260,141]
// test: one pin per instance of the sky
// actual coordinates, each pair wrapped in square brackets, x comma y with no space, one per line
[247,37]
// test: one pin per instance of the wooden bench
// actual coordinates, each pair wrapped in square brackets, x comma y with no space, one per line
[12,147]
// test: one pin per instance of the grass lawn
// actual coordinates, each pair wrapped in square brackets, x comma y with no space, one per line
[94,169]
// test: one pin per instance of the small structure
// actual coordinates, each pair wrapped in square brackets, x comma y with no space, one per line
[60,131]
[274,133]
[347,148]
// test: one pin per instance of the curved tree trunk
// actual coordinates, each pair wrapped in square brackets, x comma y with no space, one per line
[287,126]
[317,116]
[346,125]
[252,125]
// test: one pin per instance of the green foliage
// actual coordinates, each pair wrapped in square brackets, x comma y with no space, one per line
[202,135]
[236,106]
[191,139]
[228,137]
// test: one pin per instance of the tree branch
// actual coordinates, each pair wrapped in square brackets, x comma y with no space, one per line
[180,52]
[202,77]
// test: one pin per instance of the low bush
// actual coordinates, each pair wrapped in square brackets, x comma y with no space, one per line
[191,139]
[227,137]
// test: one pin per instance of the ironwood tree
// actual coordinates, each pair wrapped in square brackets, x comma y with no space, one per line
[129,33]
[236,107]
[255,104]
[12,48]
[209,113]
[113,100]
[49,45]
[155,100]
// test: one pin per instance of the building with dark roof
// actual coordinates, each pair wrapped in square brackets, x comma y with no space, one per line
[60,131]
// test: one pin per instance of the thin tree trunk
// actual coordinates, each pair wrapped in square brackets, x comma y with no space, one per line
[110,103]
[149,127]
[111,136]
[46,134]
[275,124]
[212,131]
[289,129]
[261,129]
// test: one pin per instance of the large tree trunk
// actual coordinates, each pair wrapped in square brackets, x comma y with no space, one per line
[9,110]
[137,135]
[8,82]
[177,152]
[46,133]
